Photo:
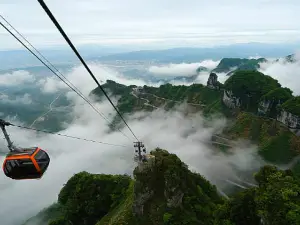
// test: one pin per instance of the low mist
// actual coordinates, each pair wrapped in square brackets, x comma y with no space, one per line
[182,69]
[287,73]
[189,138]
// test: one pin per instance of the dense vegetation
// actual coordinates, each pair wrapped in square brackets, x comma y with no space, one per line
[279,95]
[114,88]
[204,98]
[292,105]
[275,142]
[164,191]
[46,215]
[195,93]
[275,98]
[250,86]
[275,201]
[228,64]
[86,198]
[178,196]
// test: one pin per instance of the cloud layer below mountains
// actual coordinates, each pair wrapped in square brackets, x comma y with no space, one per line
[187,137]
[182,69]
[288,74]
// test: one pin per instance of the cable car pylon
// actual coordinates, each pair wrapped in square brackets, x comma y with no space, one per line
[139,148]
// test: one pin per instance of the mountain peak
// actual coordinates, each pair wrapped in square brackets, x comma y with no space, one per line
[165,183]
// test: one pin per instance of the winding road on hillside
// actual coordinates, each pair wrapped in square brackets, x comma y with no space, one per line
[237,181]
[210,142]
[170,100]
[146,101]
[46,113]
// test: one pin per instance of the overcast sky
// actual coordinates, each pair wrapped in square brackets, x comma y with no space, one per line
[154,23]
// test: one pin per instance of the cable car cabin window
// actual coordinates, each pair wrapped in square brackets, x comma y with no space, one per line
[22,169]
[11,164]
[41,156]
[42,160]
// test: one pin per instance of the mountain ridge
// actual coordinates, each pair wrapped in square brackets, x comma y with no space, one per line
[196,54]
[164,192]
[159,181]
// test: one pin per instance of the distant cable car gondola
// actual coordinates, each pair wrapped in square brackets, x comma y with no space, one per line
[24,163]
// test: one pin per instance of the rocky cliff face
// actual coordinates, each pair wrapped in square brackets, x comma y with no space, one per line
[264,107]
[165,188]
[290,120]
[230,100]
[213,81]
[262,95]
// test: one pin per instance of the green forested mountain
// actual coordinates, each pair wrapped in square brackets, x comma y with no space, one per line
[231,65]
[276,143]
[203,97]
[292,105]
[227,64]
[164,191]
[250,86]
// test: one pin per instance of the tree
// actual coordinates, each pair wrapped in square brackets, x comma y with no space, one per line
[292,105]
[277,198]
[276,97]
[250,86]
[86,198]
[240,209]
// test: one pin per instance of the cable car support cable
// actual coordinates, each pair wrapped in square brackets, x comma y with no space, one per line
[4,123]
[73,89]
[47,10]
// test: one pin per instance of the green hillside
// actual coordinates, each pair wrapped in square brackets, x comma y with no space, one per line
[292,105]
[45,216]
[227,64]
[250,86]
[275,97]
[276,143]
[164,191]
[203,98]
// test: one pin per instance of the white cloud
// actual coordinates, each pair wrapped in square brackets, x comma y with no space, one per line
[24,99]
[16,78]
[71,156]
[255,57]
[154,22]
[51,85]
[209,64]
[182,69]
[79,77]
[288,74]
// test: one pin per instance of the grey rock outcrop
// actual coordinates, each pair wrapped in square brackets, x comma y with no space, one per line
[212,81]
[290,120]
[230,100]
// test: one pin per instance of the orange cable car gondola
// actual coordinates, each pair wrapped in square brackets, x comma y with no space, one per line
[24,163]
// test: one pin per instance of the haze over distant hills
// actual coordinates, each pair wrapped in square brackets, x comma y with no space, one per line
[195,54]
[11,59]
[62,56]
